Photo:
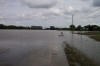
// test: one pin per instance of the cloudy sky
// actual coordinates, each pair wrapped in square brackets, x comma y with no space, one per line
[49,12]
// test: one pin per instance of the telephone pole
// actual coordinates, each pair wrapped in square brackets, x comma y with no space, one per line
[72,19]
[72,23]
[72,28]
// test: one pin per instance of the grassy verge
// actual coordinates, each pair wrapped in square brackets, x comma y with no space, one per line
[76,58]
[93,35]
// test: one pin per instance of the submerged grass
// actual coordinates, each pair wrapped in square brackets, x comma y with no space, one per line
[96,37]
[93,35]
[77,58]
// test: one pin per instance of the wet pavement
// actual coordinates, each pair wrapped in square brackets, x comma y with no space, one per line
[31,48]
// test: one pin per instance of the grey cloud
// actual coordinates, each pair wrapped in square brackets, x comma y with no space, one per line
[96,3]
[85,0]
[26,11]
[40,4]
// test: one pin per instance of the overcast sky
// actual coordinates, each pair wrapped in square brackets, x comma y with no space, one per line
[49,12]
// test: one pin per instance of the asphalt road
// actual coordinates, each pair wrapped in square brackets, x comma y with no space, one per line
[31,48]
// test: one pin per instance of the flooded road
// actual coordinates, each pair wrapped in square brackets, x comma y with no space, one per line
[88,46]
[31,48]
[42,48]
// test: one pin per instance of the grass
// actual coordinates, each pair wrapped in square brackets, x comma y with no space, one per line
[77,58]
[93,35]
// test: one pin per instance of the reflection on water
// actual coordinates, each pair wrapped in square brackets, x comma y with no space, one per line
[31,48]
[22,43]
[85,44]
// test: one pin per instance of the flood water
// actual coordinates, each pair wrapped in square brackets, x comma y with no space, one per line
[42,48]
[88,46]
[31,48]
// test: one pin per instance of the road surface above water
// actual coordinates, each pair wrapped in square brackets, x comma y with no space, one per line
[31,48]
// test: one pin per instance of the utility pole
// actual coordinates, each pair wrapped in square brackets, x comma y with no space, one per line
[72,28]
[72,19]
[72,23]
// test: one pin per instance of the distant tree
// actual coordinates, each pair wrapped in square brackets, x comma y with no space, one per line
[88,28]
[20,27]
[96,28]
[11,27]
[52,28]
[92,28]
[72,27]
[79,28]
[2,26]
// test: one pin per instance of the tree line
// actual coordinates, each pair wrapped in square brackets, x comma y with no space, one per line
[71,27]
[85,28]
[20,27]
[78,28]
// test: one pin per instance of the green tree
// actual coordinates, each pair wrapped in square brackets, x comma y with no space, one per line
[72,27]
[2,26]
[92,27]
[52,28]
[79,28]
